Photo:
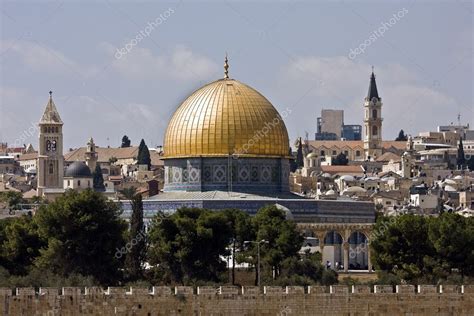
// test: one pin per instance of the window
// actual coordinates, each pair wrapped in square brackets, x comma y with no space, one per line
[334,153]
[323,153]
[51,168]
[358,153]
[374,130]
[78,183]
[374,114]
[346,153]
[68,182]
[53,145]
[48,145]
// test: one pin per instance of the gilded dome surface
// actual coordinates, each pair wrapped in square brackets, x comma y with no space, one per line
[226,117]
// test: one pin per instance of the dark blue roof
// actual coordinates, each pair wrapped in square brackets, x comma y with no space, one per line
[78,169]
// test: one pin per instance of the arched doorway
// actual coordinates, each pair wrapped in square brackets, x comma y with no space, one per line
[333,252]
[358,251]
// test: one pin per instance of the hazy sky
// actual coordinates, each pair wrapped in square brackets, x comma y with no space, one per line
[299,54]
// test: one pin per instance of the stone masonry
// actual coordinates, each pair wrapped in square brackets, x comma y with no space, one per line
[229,300]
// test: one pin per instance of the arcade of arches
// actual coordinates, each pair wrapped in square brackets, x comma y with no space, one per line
[344,246]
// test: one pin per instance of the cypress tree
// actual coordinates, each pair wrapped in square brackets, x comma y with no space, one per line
[461,159]
[299,155]
[98,179]
[143,154]
[137,241]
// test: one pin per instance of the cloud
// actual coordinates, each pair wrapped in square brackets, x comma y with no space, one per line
[41,58]
[180,64]
[338,82]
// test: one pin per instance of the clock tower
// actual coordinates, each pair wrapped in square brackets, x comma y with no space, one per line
[372,121]
[50,150]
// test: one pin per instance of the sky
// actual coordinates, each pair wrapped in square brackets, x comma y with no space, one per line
[123,67]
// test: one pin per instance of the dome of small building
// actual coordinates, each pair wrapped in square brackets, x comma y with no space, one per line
[312,155]
[449,188]
[354,189]
[78,169]
[347,177]
[288,214]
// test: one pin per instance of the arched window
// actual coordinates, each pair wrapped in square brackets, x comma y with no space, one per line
[51,168]
[48,145]
[53,145]
[374,113]
[374,130]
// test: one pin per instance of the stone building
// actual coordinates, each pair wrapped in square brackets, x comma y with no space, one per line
[50,152]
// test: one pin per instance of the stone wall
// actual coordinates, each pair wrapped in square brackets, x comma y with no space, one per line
[229,300]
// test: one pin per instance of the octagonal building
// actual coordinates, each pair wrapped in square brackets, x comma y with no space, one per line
[226,136]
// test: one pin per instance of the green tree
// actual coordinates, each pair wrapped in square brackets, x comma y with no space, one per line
[13,198]
[98,179]
[340,160]
[143,154]
[20,244]
[461,159]
[84,235]
[135,257]
[299,154]
[282,236]
[305,270]
[453,238]
[242,230]
[402,247]
[401,136]
[187,246]
[125,141]
[128,193]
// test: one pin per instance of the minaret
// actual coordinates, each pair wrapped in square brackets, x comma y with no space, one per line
[91,155]
[50,150]
[407,159]
[373,121]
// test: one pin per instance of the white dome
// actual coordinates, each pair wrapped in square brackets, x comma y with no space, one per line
[450,181]
[330,192]
[354,190]
[347,177]
[449,188]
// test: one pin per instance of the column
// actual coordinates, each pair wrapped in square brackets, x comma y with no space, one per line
[345,246]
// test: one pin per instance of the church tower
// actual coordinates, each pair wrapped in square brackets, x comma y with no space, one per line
[91,155]
[373,121]
[50,150]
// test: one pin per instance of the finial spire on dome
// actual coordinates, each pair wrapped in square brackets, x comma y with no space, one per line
[226,67]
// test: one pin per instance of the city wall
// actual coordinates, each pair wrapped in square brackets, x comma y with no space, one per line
[228,300]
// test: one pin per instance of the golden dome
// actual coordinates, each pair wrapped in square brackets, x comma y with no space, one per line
[223,118]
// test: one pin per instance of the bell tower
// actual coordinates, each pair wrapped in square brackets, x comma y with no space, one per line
[372,121]
[91,155]
[50,150]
